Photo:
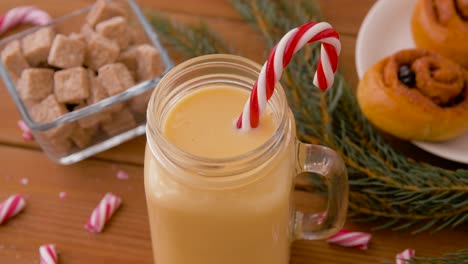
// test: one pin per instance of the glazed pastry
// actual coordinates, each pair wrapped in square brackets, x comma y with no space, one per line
[442,26]
[416,94]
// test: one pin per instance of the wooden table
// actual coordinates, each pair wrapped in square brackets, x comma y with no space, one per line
[48,219]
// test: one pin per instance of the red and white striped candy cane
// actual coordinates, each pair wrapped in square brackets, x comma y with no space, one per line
[48,254]
[405,256]
[23,15]
[347,238]
[103,212]
[27,134]
[280,57]
[11,207]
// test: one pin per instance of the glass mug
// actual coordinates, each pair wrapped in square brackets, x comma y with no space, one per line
[239,209]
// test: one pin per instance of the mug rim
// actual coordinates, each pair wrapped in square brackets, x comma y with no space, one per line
[209,166]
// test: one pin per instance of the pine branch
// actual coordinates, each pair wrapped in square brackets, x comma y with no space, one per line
[451,258]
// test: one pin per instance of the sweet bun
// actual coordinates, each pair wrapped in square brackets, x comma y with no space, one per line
[416,94]
[442,26]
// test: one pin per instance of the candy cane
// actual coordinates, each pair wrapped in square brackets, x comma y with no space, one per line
[347,238]
[405,256]
[48,254]
[23,15]
[27,134]
[11,207]
[280,57]
[103,212]
[122,175]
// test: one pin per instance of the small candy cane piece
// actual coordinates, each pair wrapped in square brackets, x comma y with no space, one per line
[23,15]
[11,207]
[122,175]
[347,238]
[405,256]
[103,212]
[321,217]
[63,195]
[48,254]
[24,181]
[27,134]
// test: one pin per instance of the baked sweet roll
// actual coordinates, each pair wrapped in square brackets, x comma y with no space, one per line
[442,26]
[416,94]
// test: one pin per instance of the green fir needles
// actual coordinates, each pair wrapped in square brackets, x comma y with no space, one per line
[450,258]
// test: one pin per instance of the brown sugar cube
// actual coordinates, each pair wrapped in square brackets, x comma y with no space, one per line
[66,52]
[36,46]
[78,36]
[138,36]
[115,78]
[92,120]
[87,31]
[56,146]
[101,51]
[83,137]
[121,121]
[71,85]
[139,103]
[103,10]
[98,93]
[115,107]
[30,103]
[36,84]
[115,29]
[129,59]
[13,59]
[149,63]
[47,111]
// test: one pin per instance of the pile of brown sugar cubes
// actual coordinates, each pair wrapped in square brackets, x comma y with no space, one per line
[56,74]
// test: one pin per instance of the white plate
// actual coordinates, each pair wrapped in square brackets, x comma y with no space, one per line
[386,30]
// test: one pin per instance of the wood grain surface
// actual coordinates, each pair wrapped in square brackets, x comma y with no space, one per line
[49,219]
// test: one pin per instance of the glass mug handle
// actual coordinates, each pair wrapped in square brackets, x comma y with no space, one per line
[328,164]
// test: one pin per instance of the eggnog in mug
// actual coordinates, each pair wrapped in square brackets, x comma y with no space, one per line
[216,194]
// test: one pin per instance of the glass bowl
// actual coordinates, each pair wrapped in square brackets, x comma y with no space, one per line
[124,124]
